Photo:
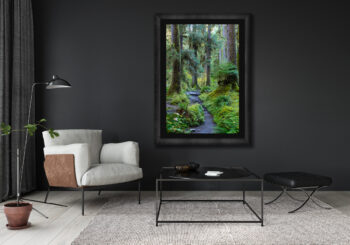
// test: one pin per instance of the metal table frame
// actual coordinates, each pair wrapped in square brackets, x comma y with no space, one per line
[160,200]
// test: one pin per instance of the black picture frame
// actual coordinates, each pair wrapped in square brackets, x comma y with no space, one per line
[162,137]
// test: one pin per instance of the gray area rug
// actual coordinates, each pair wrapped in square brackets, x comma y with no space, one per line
[122,221]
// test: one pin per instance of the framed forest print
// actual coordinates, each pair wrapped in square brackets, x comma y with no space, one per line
[202,79]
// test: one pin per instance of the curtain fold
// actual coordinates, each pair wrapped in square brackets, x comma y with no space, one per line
[16,79]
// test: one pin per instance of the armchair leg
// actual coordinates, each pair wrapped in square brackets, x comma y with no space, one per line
[82,201]
[139,188]
[99,192]
[47,194]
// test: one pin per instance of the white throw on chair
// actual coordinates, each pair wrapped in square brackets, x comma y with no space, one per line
[78,159]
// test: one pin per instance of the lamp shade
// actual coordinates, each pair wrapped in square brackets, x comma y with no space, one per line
[57,82]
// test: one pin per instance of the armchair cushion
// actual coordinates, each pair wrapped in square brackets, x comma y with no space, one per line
[81,157]
[111,173]
[126,152]
[92,137]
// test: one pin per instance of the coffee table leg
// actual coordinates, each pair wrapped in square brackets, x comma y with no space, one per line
[262,202]
[156,202]
[161,191]
[243,187]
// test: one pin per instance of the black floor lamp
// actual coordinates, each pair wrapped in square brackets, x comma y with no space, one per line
[55,83]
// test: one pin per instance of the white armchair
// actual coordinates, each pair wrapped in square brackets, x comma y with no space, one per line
[77,159]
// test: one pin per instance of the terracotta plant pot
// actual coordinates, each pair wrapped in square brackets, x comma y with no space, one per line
[17,216]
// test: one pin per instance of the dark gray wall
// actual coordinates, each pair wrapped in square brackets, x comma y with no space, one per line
[301,118]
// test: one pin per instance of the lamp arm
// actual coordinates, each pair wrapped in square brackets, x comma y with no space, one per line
[19,178]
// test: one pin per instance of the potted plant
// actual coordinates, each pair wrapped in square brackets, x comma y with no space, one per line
[18,212]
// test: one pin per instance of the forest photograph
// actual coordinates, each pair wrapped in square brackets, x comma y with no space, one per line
[202,78]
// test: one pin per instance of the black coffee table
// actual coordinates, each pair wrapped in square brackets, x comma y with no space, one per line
[232,174]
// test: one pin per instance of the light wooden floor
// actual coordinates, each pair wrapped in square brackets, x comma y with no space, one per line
[65,224]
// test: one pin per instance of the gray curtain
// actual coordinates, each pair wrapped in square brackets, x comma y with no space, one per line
[16,78]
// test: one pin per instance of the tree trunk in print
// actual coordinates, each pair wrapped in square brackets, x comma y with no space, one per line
[237,45]
[231,44]
[208,53]
[231,56]
[172,32]
[175,82]
[224,48]
[195,50]
[182,32]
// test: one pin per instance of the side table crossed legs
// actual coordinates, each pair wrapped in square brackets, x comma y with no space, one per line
[303,189]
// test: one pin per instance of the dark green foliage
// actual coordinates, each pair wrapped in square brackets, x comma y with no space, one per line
[205,89]
[53,133]
[196,37]
[31,128]
[185,117]
[191,61]
[176,123]
[222,100]
[182,106]
[226,73]
[5,129]
[224,106]
[219,90]
[227,120]
[178,98]
[195,114]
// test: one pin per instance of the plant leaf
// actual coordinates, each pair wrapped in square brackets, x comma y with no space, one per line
[31,128]
[5,129]
[53,133]
[42,120]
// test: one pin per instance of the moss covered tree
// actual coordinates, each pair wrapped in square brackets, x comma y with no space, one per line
[208,53]
[175,86]
[194,46]
[231,44]
[227,73]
